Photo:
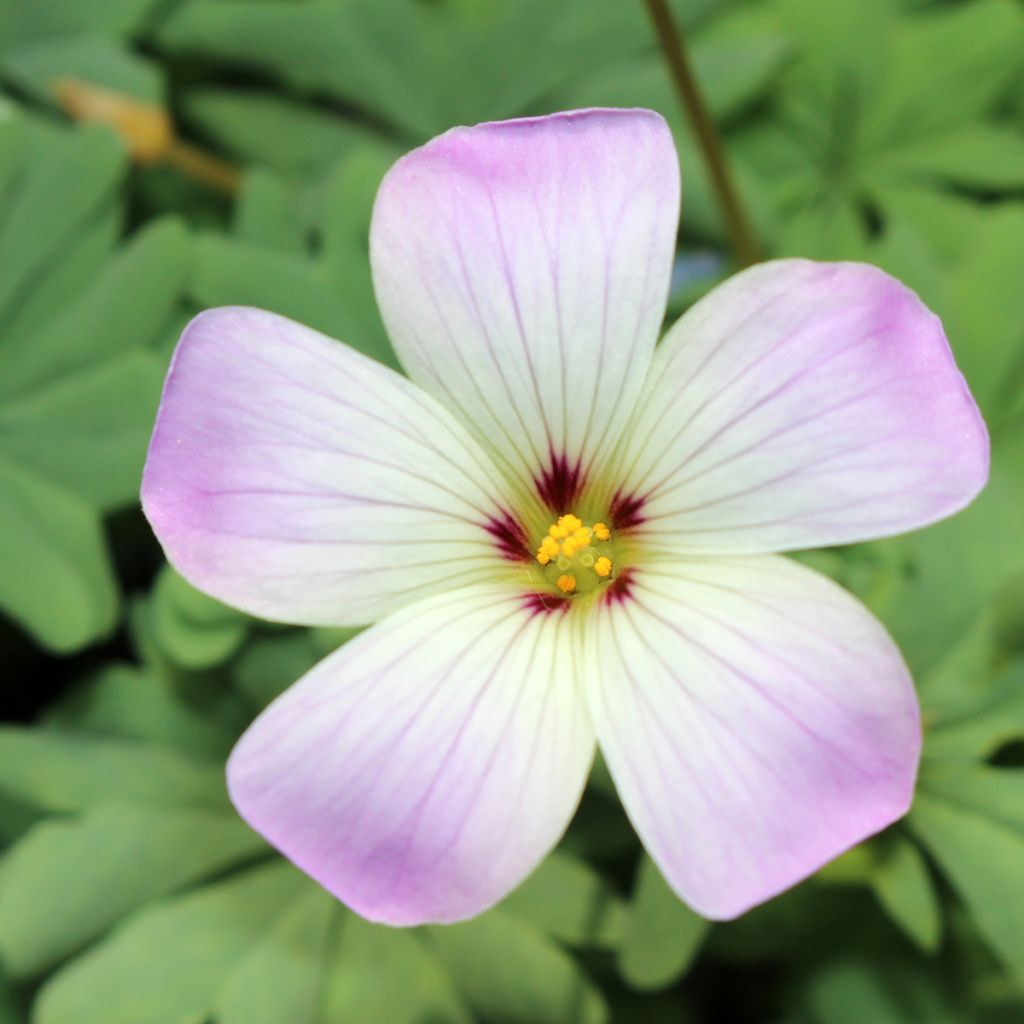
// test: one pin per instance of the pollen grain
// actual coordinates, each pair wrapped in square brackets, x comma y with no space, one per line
[578,553]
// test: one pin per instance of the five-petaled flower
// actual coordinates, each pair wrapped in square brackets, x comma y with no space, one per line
[568,537]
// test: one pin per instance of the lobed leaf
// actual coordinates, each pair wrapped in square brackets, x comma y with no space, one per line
[68,880]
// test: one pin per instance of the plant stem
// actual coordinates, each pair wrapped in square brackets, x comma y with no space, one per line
[674,49]
[203,167]
[147,132]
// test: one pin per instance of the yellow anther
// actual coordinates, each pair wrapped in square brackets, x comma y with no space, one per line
[574,551]
[548,549]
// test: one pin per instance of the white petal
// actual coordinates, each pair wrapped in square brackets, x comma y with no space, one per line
[522,269]
[424,769]
[800,405]
[298,480]
[757,721]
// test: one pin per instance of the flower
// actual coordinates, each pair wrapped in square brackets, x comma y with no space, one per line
[566,534]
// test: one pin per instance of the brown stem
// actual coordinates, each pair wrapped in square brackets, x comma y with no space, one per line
[671,41]
[203,167]
[146,130]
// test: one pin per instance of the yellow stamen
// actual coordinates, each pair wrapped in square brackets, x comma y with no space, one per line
[578,558]
[548,549]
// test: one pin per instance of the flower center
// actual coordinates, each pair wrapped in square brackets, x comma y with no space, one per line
[576,557]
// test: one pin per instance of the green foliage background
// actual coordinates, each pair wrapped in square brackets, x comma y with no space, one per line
[885,130]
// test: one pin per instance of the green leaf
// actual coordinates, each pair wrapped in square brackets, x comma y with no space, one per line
[904,887]
[13,132]
[850,868]
[68,274]
[972,821]
[123,310]
[19,21]
[984,725]
[909,255]
[821,34]
[962,677]
[506,970]
[268,212]
[170,333]
[312,47]
[404,62]
[568,900]
[600,832]
[66,772]
[348,198]
[344,226]
[893,868]
[852,123]
[856,991]
[75,377]
[967,54]
[273,129]
[35,67]
[957,564]
[192,629]
[43,214]
[166,964]
[327,639]
[231,272]
[269,664]
[986,309]
[941,219]
[1008,616]
[16,818]
[67,881]
[362,972]
[993,792]
[124,701]
[985,156]
[278,981]
[662,935]
[10,1010]
[56,581]
[736,59]
[734,63]
[108,410]
[830,229]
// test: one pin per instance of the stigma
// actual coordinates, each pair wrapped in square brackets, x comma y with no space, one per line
[578,553]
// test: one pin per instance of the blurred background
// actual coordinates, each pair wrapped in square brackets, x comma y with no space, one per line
[251,135]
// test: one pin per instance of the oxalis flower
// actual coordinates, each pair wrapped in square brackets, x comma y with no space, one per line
[564,534]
